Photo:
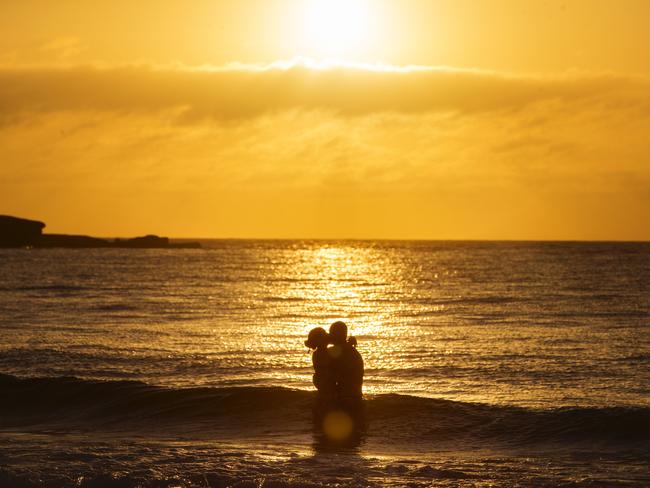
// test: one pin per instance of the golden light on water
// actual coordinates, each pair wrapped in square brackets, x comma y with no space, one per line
[353,281]
[342,267]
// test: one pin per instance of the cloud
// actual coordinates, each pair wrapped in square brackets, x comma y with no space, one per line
[292,150]
[63,48]
[241,92]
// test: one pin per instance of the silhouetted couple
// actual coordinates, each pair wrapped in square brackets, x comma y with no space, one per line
[338,366]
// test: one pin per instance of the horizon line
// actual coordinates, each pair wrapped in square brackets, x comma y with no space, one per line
[393,239]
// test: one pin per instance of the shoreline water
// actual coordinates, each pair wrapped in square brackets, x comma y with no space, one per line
[133,434]
[133,407]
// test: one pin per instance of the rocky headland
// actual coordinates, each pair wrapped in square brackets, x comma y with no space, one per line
[19,232]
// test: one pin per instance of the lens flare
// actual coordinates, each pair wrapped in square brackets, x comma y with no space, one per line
[337,425]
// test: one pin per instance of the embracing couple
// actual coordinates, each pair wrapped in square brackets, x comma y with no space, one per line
[338,366]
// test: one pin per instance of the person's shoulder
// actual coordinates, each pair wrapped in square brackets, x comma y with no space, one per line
[351,351]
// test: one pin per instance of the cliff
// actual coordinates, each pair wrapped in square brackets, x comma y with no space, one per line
[17,232]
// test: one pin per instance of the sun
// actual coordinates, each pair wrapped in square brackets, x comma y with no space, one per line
[340,29]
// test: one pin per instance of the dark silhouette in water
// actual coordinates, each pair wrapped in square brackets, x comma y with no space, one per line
[339,416]
[348,364]
[324,379]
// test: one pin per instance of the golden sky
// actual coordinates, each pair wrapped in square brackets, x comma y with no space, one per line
[426,119]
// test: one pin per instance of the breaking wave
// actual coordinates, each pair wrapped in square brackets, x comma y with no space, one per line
[135,406]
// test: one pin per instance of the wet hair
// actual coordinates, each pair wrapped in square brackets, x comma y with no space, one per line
[338,332]
[317,337]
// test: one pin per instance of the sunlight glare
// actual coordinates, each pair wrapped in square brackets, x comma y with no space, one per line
[337,28]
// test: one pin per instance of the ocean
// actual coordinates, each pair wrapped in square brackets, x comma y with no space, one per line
[487,364]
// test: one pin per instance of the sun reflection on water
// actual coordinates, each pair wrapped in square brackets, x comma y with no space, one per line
[501,323]
[346,288]
[353,285]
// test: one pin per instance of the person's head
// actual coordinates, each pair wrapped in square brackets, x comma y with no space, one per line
[338,332]
[317,337]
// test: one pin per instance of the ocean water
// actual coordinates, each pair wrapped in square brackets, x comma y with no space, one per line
[487,364]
